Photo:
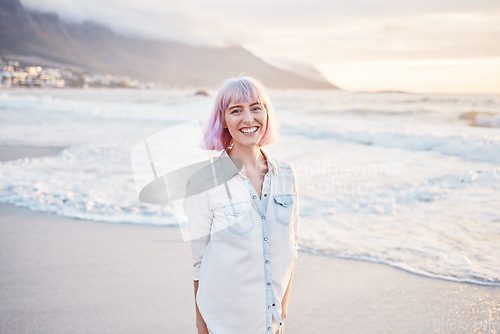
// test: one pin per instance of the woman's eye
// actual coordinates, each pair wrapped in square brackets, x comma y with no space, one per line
[234,111]
[257,108]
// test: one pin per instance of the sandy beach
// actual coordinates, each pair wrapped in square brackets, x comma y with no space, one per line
[61,275]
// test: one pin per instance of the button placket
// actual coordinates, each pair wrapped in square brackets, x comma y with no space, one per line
[265,191]
[262,206]
[267,251]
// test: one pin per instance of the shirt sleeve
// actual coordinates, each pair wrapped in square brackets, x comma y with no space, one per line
[295,212]
[199,222]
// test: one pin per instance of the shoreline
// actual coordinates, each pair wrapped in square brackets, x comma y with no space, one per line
[15,152]
[406,270]
[64,275]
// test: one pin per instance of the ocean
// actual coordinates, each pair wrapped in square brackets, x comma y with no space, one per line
[408,180]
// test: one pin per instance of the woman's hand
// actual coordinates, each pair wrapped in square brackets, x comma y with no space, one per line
[283,317]
[202,328]
[284,302]
[200,323]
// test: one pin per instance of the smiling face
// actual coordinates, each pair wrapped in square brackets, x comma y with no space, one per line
[246,122]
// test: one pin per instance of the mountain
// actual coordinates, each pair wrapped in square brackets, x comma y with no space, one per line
[304,70]
[98,49]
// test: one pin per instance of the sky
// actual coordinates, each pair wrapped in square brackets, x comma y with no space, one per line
[428,46]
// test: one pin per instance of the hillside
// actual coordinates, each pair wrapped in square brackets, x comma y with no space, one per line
[98,49]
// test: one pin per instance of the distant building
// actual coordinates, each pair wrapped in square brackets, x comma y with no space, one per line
[12,75]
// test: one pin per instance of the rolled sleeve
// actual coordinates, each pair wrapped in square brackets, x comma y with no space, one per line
[198,248]
[199,222]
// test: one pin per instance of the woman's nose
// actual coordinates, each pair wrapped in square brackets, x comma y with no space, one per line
[247,116]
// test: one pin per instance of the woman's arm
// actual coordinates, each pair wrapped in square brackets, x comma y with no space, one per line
[295,224]
[284,302]
[200,323]
[199,221]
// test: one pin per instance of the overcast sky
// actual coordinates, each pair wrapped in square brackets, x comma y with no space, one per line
[427,46]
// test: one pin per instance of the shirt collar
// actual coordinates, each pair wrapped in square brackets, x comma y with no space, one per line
[271,164]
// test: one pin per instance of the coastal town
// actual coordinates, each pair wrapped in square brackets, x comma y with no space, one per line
[14,74]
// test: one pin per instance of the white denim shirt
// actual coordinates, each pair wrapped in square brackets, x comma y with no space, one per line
[244,249]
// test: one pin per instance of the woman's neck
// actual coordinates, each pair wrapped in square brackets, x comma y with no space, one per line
[251,156]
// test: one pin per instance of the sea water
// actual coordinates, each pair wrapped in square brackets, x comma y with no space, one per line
[410,180]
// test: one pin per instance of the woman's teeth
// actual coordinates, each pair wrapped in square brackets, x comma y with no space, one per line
[249,130]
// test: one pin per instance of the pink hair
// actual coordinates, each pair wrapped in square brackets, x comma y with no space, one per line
[237,90]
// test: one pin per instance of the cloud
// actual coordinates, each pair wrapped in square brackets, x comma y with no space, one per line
[427,36]
[224,21]
[324,33]
[148,18]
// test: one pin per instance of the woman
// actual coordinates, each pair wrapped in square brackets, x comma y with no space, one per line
[244,226]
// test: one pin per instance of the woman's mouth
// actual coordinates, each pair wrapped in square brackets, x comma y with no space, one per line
[249,130]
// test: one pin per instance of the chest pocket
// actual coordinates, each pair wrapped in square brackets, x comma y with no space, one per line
[240,218]
[283,208]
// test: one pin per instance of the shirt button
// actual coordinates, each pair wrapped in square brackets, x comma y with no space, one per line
[254,196]
[267,261]
[268,306]
[265,238]
[286,202]
[237,211]
[265,195]
[274,304]
[268,283]
[268,328]
[263,216]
